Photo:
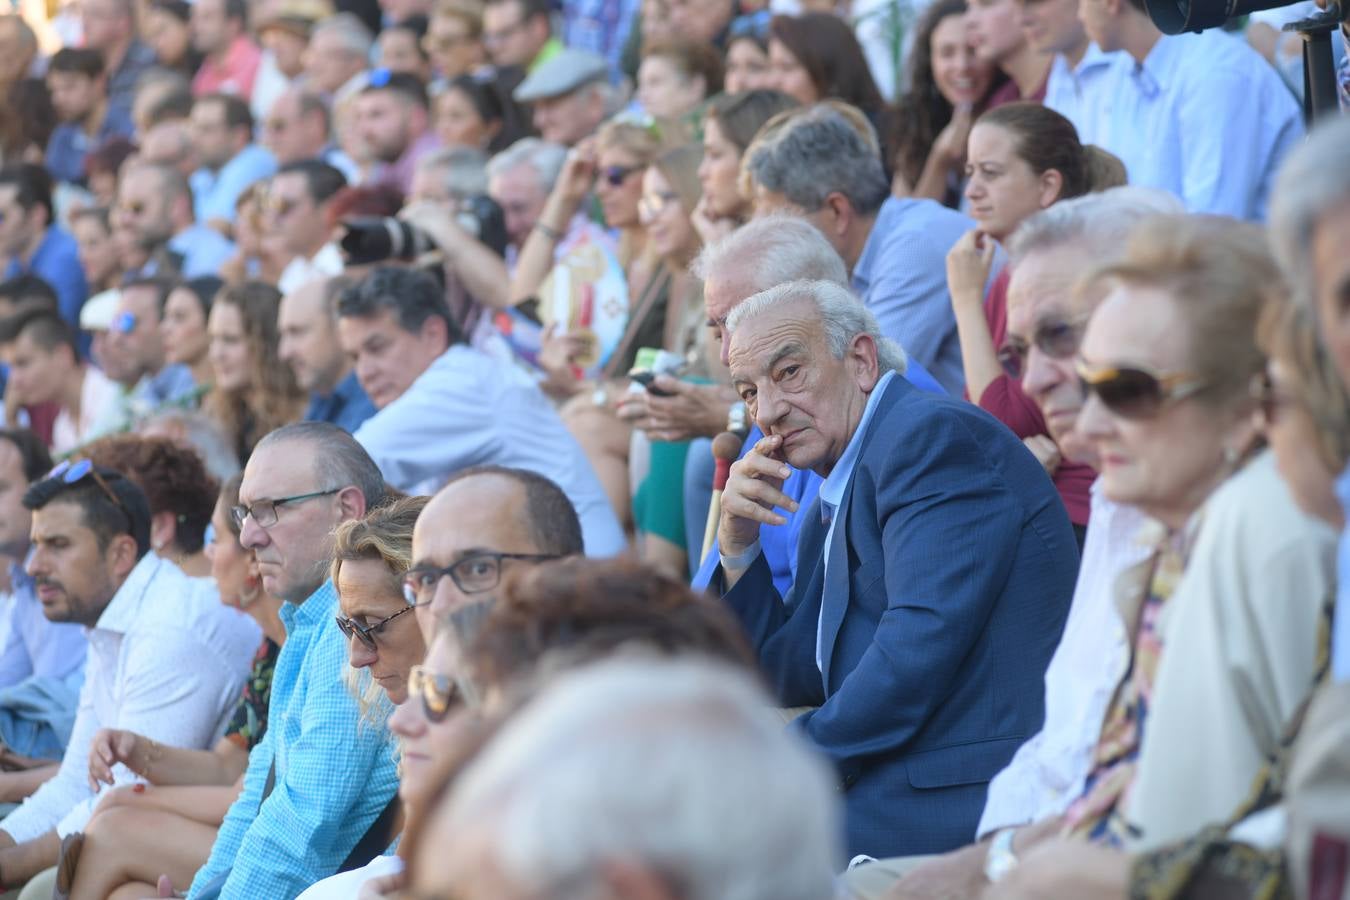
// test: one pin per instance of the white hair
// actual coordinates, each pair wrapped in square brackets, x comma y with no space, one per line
[1313,180]
[676,765]
[544,158]
[1098,224]
[352,34]
[842,316]
[770,250]
[465,168]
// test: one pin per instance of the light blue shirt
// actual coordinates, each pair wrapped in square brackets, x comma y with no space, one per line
[1340,634]
[30,644]
[469,409]
[1077,93]
[334,773]
[1203,117]
[203,250]
[901,277]
[836,483]
[215,193]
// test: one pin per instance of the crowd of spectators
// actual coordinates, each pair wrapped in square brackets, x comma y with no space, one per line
[671,450]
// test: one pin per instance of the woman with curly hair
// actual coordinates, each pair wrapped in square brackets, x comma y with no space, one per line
[180,492]
[929,126]
[254,391]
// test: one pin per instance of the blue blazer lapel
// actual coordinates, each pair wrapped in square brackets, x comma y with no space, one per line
[835,596]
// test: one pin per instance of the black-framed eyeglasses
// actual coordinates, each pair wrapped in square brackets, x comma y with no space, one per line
[472,575]
[1134,392]
[436,691]
[73,472]
[366,634]
[615,176]
[1056,338]
[264,512]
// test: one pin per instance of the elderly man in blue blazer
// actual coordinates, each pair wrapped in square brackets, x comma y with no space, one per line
[932,584]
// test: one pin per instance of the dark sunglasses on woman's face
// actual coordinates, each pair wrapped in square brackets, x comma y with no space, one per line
[1056,338]
[615,176]
[1134,392]
[366,633]
[437,692]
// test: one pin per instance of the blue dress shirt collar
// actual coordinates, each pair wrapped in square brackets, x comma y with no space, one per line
[832,490]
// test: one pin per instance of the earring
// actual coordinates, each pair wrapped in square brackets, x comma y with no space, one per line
[1230,455]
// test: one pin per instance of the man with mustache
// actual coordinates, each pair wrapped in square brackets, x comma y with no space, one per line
[156,662]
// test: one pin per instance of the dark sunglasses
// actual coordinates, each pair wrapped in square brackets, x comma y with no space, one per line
[437,692]
[615,176]
[1133,392]
[1056,338]
[366,634]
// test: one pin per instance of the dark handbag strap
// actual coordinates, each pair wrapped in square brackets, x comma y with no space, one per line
[378,836]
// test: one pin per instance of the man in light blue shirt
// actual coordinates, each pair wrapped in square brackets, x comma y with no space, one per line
[1200,115]
[444,406]
[222,135]
[320,780]
[1079,69]
[32,243]
[41,662]
[822,167]
[154,206]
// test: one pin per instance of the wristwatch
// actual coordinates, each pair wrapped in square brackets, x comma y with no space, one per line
[1000,860]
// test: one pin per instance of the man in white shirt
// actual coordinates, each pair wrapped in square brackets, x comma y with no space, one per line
[1202,116]
[38,658]
[444,406]
[161,662]
[298,198]
[45,367]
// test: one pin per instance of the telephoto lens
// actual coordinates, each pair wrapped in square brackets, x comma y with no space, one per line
[370,239]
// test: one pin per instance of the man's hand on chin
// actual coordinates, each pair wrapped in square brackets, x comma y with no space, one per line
[753,491]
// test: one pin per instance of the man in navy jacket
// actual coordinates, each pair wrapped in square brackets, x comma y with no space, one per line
[933,576]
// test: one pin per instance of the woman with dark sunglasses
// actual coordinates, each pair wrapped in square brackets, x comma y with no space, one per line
[370,558]
[1227,655]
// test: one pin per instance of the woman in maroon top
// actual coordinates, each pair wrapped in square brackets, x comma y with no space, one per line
[1021,158]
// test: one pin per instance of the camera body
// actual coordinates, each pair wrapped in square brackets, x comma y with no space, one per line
[372,239]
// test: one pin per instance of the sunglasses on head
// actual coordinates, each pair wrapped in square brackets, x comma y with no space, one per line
[124,323]
[616,175]
[71,473]
[1056,338]
[1133,392]
[437,692]
[755,25]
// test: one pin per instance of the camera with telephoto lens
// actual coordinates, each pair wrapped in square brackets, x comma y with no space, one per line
[371,239]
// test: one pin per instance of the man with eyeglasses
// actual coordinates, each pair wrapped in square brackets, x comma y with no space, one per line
[298,126]
[485,521]
[154,228]
[135,357]
[519,33]
[295,213]
[318,787]
[163,657]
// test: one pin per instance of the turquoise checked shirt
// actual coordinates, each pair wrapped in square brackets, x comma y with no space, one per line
[335,775]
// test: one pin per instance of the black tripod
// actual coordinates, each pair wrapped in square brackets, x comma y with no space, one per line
[1319,66]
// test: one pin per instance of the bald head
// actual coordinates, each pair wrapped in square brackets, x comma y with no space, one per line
[309,340]
[491,510]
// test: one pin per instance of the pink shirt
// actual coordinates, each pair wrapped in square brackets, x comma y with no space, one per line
[234,76]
